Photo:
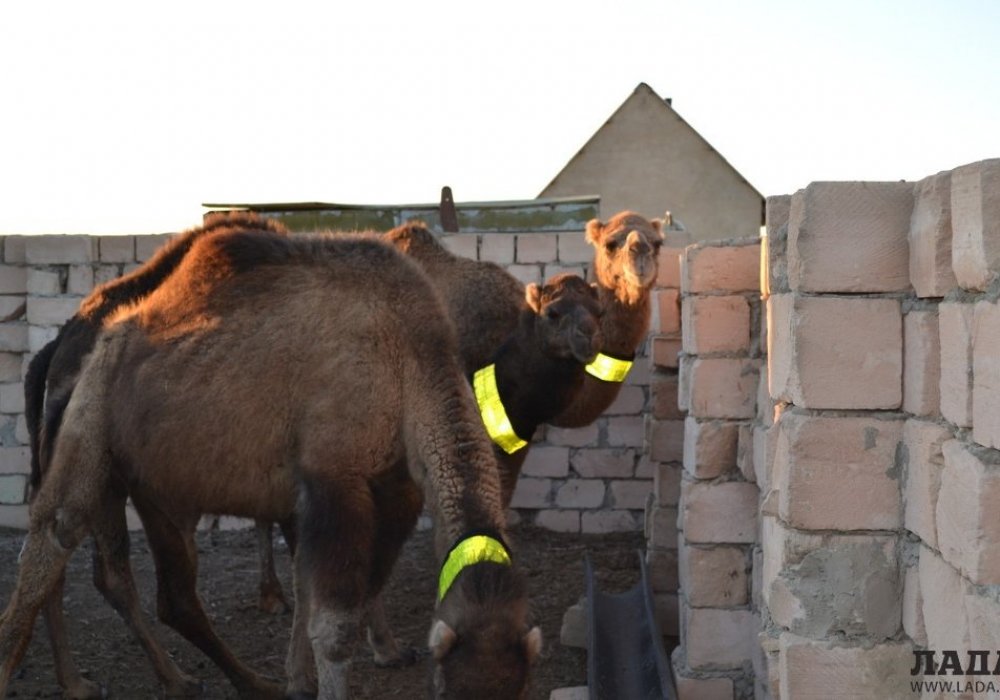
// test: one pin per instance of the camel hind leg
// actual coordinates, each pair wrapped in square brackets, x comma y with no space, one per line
[73,684]
[271,599]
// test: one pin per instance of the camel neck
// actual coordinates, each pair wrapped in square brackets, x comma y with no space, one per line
[625,322]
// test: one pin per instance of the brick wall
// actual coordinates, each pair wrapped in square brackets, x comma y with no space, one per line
[595,479]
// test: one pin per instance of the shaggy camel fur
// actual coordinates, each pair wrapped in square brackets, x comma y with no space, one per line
[482,300]
[169,409]
[49,382]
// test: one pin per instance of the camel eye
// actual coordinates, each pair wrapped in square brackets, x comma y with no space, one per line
[657,245]
[611,246]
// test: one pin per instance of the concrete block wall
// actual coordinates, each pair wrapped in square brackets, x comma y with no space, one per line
[880,476]
[720,367]
[592,480]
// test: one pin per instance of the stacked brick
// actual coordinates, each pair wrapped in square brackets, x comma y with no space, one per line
[719,379]
[595,479]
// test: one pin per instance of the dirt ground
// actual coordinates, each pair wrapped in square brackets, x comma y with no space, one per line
[228,581]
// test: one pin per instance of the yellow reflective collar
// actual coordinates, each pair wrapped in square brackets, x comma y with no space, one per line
[609,369]
[471,550]
[498,425]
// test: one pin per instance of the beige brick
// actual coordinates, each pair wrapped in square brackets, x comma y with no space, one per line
[821,584]
[14,516]
[722,513]
[558,520]
[823,669]
[660,527]
[630,494]
[532,493]
[723,388]
[714,577]
[116,249]
[13,489]
[709,447]
[603,463]
[464,245]
[13,337]
[665,352]
[716,324]
[986,374]
[497,249]
[704,688]
[717,639]
[44,283]
[975,223]
[666,440]
[923,464]
[12,398]
[576,692]
[572,437]
[667,312]
[573,632]
[921,363]
[662,565]
[838,473]
[626,431]
[709,267]
[604,521]
[850,237]
[106,273]
[51,311]
[13,249]
[664,397]
[835,352]
[967,526]
[669,267]
[546,461]
[146,246]
[12,307]
[983,614]
[55,250]
[81,280]
[39,337]
[685,377]
[764,445]
[955,323]
[580,493]
[943,592]
[777,211]
[13,279]
[10,367]
[573,248]
[913,607]
[550,270]
[930,237]
[536,247]
[15,460]
[667,484]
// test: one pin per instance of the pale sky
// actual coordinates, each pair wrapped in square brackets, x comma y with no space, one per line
[123,117]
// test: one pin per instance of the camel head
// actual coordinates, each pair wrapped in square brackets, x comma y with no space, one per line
[480,641]
[626,250]
[567,317]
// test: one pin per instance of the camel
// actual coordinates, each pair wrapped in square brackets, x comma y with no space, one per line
[482,300]
[167,408]
[49,382]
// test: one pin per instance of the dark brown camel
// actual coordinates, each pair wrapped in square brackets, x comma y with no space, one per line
[168,405]
[49,382]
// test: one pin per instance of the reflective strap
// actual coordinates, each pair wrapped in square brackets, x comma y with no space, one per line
[498,425]
[609,369]
[472,550]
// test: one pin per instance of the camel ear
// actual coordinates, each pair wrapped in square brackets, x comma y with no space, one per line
[533,644]
[441,639]
[533,296]
[593,231]
[658,227]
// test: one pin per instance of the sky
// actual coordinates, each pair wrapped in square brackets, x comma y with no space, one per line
[124,117]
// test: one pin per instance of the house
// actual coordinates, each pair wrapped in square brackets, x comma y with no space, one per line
[648,159]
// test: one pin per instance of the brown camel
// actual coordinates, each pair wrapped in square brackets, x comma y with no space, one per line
[48,385]
[170,409]
[482,300]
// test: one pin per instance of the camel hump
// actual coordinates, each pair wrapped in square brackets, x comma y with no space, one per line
[131,287]
[414,238]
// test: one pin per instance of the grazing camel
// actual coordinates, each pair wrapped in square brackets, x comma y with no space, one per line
[217,392]
[48,385]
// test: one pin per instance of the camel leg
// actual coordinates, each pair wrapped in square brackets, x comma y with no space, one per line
[177,602]
[50,541]
[398,502]
[74,685]
[113,578]
[271,599]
